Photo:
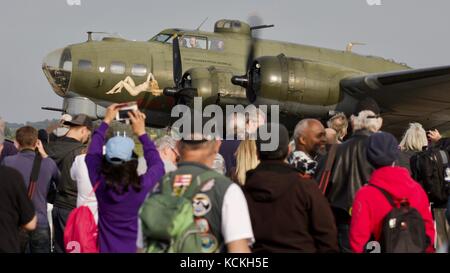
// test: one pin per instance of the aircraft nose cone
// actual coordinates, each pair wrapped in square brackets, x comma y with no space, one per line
[57,67]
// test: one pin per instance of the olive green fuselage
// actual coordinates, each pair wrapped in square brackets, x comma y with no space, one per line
[305,80]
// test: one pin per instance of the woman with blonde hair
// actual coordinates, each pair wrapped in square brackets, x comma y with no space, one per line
[246,159]
[339,123]
[413,141]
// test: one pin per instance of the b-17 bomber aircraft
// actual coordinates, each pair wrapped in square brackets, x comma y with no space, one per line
[231,66]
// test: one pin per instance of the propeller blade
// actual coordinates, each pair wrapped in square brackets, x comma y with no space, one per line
[252,69]
[245,81]
[253,20]
[177,67]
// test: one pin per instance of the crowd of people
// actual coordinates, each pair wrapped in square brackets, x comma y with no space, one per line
[334,186]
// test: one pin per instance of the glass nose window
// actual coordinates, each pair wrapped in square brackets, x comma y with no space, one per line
[57,67]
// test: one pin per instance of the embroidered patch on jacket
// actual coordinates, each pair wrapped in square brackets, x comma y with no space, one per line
[208,185]
[180,183]
[202,225]
[202,204]
[209,243]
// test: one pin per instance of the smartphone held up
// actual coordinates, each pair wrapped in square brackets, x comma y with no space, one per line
[122,114]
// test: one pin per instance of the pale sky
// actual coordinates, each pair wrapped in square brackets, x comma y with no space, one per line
[411,31]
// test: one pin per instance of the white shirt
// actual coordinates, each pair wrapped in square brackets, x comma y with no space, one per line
[236,223]
[86,196]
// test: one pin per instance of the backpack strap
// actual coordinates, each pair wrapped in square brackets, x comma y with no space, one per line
[325,178]
[34,174]
[166,183]
[92,193]
[386,194]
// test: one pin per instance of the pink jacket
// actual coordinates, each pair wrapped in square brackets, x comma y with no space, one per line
[371,206]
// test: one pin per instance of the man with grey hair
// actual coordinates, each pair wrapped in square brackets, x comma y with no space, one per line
[310,139]
[366,120]
[220,208]
[167,148]
[351,169]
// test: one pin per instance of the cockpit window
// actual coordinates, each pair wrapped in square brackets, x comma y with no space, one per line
[162,38]
[187,41]
[216,45]
[193,42]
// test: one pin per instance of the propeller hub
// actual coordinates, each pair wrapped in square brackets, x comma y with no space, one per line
[240,80]
[170,91]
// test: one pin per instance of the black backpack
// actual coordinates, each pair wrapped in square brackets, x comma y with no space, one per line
[428,168]
[403,229]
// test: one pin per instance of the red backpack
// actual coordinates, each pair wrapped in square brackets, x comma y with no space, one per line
[81,231]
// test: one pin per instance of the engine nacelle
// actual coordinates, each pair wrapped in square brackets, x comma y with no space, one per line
[294,80]
[212,84]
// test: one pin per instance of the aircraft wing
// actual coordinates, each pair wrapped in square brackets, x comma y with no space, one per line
[416,95]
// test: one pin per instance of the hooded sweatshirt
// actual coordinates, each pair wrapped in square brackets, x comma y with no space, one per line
[118,212]
[371,206]
[288,213]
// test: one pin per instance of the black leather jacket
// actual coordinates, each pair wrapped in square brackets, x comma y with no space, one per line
[63,151]
[350,171]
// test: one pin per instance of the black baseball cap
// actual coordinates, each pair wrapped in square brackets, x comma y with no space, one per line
[80,120]
[281,133]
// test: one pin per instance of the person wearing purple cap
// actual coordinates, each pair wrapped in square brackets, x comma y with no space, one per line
[120,191]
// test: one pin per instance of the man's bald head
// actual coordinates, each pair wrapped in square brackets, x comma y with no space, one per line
[309,136]
[303,125]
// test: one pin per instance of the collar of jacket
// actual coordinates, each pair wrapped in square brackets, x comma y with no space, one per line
[362,132]
[27,150]
[68,139]
[192,163]
[274,165]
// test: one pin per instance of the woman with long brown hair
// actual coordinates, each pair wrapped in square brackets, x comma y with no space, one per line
[120,190]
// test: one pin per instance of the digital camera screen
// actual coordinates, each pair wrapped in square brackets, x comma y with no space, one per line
[123,114]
